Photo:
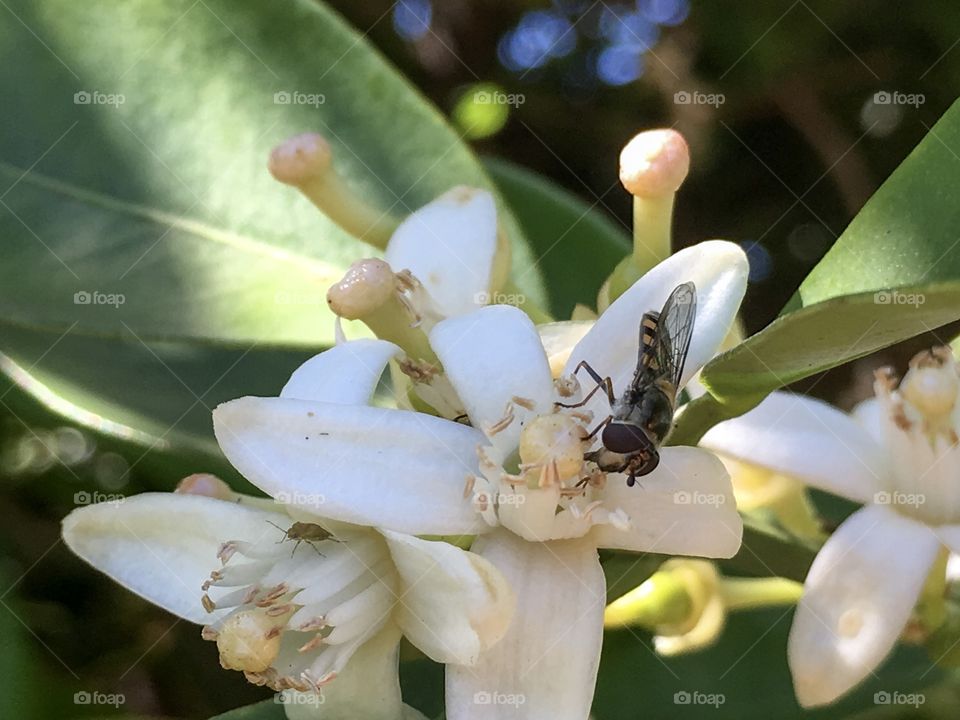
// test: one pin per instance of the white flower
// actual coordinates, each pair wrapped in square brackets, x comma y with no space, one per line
[451,246]
[898,455]
[295,601]
[539,524]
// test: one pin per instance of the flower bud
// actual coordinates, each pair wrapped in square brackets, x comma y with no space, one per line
[653,165]
[306,162]
[206,485]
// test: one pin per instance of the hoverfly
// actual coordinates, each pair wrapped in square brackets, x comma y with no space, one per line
[642,417]
[305,532]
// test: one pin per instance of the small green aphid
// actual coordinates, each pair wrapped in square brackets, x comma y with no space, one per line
[305,532]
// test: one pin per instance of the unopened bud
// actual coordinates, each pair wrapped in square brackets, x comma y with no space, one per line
[306,162]
[654,163]
[206,485]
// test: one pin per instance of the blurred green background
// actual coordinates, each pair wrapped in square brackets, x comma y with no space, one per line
[789,137]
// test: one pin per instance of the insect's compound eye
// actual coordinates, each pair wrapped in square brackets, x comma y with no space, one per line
[625,438]
[649,464]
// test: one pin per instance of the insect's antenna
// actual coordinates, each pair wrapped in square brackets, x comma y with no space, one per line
[285,532]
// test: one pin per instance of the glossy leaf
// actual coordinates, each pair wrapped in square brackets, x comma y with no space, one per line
[893,273]
[143,172]
[155,395]
[830,333]
[907,233]
[576,244]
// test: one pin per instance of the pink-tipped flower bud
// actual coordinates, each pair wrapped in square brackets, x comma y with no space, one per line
[654,163]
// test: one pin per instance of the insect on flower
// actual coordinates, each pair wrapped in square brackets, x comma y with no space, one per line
[642,417]
[305,532]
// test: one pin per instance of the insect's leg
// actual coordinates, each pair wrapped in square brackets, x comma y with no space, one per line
[597,429]
[605,383]
[631,480]
[589,395]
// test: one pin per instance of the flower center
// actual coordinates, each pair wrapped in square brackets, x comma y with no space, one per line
[297,607]
[552,492]
[921,432]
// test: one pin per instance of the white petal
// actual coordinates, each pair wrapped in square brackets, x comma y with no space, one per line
[449,245]
[684,507]
[368,687]
[559,339]
[163,546]
[869,414]
[949,535]
[491,356]
[719,270]
[346,374]
[857,599]
[808,439]
[546,665]
[453,604]
[366,465]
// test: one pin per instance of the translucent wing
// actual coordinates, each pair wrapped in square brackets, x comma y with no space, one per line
[674,330]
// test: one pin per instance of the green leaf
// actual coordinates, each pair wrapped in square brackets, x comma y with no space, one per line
[157,395]
[624,571]
[830,333]
[749,655]
[156,189]
[576,244]
[894,273]
[769,551]
[907,233]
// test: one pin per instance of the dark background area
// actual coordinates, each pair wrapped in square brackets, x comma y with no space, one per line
[794,150]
